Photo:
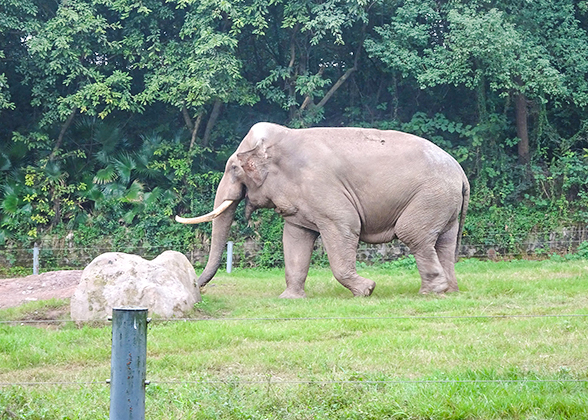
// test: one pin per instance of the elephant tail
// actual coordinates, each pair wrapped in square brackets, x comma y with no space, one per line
[465,193]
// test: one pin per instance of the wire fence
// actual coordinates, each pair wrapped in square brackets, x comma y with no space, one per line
[289,319]
[278,381]
[63,252]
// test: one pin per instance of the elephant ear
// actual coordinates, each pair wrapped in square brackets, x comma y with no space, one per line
[255,163]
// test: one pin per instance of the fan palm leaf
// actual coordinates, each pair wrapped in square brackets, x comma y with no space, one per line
[105,175]
[124,164]
[134,194]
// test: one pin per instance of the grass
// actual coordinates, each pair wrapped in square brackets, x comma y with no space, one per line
[371,358]
[52,309]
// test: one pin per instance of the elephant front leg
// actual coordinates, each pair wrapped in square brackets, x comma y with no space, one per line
[298,246]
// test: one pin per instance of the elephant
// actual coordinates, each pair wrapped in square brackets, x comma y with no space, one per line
[346,185]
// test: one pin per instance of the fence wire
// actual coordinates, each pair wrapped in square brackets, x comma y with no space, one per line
[290,319]
[374,382]
[274,381]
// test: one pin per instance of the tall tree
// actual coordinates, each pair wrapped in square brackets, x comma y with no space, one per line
[307,54]
[190,63]
[74,67]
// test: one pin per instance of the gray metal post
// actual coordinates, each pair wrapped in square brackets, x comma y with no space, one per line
[229,257]
[128,364]
[36,259]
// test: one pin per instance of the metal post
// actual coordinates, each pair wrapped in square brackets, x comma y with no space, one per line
[128,364]
[36,259]
[229,257]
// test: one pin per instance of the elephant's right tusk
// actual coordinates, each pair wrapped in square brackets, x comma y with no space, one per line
[207,217]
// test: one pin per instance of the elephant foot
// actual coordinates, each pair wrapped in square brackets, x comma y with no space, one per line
[438,288]
[365,289]
[292,294]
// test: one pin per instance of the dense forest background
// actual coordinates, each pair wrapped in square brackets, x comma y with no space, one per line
[115,115]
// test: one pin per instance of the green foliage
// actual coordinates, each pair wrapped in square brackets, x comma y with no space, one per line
[117,115]
[580,254]
[407,263]
[401,43]
[4,92]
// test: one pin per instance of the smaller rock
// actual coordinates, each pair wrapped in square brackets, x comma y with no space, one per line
[165,285]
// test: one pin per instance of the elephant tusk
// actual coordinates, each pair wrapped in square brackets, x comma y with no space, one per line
[207,217]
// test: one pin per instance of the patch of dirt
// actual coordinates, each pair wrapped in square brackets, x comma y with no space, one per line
[54,284]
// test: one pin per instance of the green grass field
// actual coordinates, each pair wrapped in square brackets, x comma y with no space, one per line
[396,355]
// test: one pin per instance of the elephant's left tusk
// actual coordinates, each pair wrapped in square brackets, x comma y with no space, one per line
[207,217]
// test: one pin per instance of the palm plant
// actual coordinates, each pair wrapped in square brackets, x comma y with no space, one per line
[15,210]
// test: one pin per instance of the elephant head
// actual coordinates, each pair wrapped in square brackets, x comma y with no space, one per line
[244,177]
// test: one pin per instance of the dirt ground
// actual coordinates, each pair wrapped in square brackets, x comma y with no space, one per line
[55,284]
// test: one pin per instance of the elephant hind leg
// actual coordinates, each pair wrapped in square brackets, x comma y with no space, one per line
[434,268]
[445,248]
[433,276]
[342,252]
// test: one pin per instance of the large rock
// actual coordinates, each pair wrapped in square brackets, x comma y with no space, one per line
[165,285]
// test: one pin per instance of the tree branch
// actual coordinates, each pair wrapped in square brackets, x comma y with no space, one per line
[195,128]
[344,77]
[192,126]
[336,86]
[216,109]
[64,128]
[308,98]
[187,118]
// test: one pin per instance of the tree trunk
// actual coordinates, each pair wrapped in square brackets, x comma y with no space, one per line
[291,81]
[216,110]
[522,114]
[64,128]
[195,131]
[193,127]
[482,106]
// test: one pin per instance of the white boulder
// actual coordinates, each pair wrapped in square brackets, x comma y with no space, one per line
[165,285]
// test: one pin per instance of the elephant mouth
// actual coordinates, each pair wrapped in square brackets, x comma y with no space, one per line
[207,217]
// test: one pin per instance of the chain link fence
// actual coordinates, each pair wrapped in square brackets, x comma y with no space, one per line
[63,252]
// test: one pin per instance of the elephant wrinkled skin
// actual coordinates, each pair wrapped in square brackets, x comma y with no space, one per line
[347,185]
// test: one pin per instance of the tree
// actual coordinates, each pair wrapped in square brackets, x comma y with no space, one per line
[519,53]
[190,63]
[73,67]
[308,52]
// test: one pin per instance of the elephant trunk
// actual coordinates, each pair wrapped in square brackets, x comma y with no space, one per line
[220,231]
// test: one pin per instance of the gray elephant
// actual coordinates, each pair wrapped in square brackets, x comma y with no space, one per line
[347,185]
